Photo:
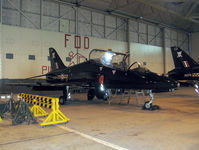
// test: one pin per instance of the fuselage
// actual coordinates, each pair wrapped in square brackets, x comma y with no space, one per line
[185,74]
[89,72]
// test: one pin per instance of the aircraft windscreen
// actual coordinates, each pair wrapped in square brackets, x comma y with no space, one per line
[139,67]
[108,58]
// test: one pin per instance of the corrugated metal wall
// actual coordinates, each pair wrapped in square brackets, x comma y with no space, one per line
[37,25]
[52,16]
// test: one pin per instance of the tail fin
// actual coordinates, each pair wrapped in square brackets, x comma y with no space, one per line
[182,59]
[56,62]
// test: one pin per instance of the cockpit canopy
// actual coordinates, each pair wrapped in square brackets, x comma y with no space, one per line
[109,58]
[115,60]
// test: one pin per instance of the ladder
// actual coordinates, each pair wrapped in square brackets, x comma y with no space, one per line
[136,92]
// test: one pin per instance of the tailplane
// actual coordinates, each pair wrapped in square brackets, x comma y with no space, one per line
[56,62]
[182,59]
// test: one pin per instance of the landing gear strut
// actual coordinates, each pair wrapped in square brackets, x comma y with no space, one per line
[148,104]
[65,97]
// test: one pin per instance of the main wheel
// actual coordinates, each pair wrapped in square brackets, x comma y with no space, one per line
[62,100]
[90,94]
[147,105]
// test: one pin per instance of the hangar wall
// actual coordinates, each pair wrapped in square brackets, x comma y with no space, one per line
[30,27]
[194,46]
[23,43]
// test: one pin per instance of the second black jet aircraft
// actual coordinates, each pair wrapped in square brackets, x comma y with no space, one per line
[185,67]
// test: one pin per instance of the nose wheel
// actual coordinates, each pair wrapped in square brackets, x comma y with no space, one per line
[148,105]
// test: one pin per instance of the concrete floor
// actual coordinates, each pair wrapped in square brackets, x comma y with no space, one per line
[99,126]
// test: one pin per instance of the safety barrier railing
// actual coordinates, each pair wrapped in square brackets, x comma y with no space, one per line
[55,117]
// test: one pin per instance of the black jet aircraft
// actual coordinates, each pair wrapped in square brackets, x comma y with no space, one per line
[185,67]
[104,70]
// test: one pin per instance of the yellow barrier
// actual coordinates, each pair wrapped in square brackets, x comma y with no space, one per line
[55,117]
[0,119]
[36,109]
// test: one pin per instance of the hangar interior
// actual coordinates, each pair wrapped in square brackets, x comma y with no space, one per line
[29,28]
[144,29]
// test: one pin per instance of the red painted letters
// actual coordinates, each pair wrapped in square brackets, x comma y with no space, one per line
[66,39]
[86,42]
[77,41]
[45,69]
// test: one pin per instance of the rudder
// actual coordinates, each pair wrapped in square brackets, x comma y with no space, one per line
[56,62]
[182,59]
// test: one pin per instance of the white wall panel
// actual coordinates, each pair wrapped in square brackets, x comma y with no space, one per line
[169,60]
[142,38]
[121,23]
[159,42]
[23,42]
[84,29]
[110,33]
[134,37]
[98,18]
[168,42]
[50,8]
[152,40]
[110,21]
[98,31]
[174,35]
[133,26]
[121,35]
[159,33]
[84,15]
[11,17]
[180,36]
[67,11]
[72,27]
[194,45]
[0,53]
[6,4]
[33,17]
[184,45]
[151,30]
[116,46]
[49,24]
[31,6]
[64,25]
[173,42]
[142,28]
[152,55]
[167,33]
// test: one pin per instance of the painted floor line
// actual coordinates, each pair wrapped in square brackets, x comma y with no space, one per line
[93,138]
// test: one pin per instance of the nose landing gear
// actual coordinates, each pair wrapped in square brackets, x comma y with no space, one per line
[148,104]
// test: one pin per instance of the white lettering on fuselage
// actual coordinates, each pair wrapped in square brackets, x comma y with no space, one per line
[179,54]
[187,75]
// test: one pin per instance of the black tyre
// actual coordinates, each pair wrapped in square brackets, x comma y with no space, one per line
[147,105]
[62,100]
[90,94]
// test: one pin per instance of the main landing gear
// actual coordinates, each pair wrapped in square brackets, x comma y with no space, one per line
[66,96]
[105,94]
[90,94]
[148,104]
